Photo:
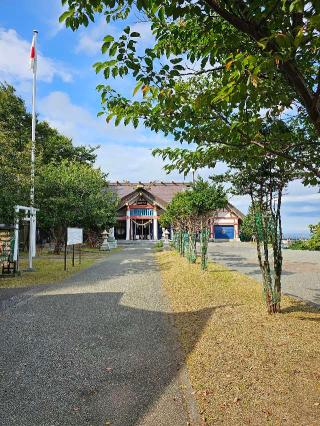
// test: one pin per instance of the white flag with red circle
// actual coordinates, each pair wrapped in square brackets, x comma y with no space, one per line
[33,54]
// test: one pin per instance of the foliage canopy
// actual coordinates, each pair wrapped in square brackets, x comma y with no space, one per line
[217,73]
[69,190]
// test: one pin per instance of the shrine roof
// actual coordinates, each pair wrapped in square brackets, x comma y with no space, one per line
[160,190]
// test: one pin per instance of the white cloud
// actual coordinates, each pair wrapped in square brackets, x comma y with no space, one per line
[125,152]
[14,61]
[88,45]
[85,128]
[133,163]
[303,198]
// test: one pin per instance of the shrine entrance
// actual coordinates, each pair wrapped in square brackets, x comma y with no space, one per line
[142,229]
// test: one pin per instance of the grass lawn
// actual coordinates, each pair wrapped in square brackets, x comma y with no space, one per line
[246,367]
[50,268]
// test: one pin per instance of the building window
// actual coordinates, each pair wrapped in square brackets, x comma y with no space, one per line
[141,212]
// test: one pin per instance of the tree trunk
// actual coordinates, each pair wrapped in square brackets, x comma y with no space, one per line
[59,240]
[204,233]
[192,247]
[271,288]
[277,250]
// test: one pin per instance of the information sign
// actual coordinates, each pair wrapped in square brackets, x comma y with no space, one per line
[74,236]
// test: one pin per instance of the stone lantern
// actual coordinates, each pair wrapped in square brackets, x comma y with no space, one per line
[108,240]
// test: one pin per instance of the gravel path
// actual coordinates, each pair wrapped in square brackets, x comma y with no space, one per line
[301,268]
[97,349]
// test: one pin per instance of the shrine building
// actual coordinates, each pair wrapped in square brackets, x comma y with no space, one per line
[141,204]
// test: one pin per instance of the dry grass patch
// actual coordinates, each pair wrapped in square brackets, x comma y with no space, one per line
[246,367]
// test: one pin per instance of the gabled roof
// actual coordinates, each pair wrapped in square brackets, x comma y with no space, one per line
[236,211]
[163,191]
[136,193]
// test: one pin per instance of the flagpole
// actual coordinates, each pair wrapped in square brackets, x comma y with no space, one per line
[33,140]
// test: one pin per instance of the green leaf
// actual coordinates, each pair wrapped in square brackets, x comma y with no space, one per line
[175,60]
[99,66]
[134,34]
[135,91]
[109,117]
[148,61]
[315,21]
[108,39]
[298,38]
[66,15]
[113,49]
[105,46]
[135,122]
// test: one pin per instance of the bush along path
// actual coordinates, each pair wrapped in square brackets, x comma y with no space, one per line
[189,213]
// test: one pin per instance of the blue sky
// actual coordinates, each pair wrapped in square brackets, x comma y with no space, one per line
[68,100]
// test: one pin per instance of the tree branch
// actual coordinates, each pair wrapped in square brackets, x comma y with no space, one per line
[288,68]
[204,71]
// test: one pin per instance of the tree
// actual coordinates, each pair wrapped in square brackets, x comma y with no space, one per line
[214,63]
[264,180]
[265,183]
[314,242]
[14,177]
[73,194]
[189,212]
[51,145]
[15,148]
[248,228]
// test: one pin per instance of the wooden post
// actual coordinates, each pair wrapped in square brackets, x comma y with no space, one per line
[128,230]
[79,254]
[72,254]
[65,254]
[18,254]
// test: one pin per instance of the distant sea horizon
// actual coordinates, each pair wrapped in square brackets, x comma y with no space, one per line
[304,235]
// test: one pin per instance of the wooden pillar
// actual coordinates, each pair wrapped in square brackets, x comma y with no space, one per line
[155,223]
[128,224]
[236,230]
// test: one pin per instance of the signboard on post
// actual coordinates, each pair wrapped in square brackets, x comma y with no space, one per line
[74,236]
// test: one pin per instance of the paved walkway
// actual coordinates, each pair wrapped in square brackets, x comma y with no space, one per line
[301,268]
[98,348]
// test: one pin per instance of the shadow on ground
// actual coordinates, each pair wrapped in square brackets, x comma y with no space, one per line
[301,306]
[83,358]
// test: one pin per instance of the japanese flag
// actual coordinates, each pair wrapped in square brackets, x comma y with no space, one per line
[33,53]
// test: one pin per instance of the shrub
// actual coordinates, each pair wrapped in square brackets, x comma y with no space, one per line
[298,245]
[159,244]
